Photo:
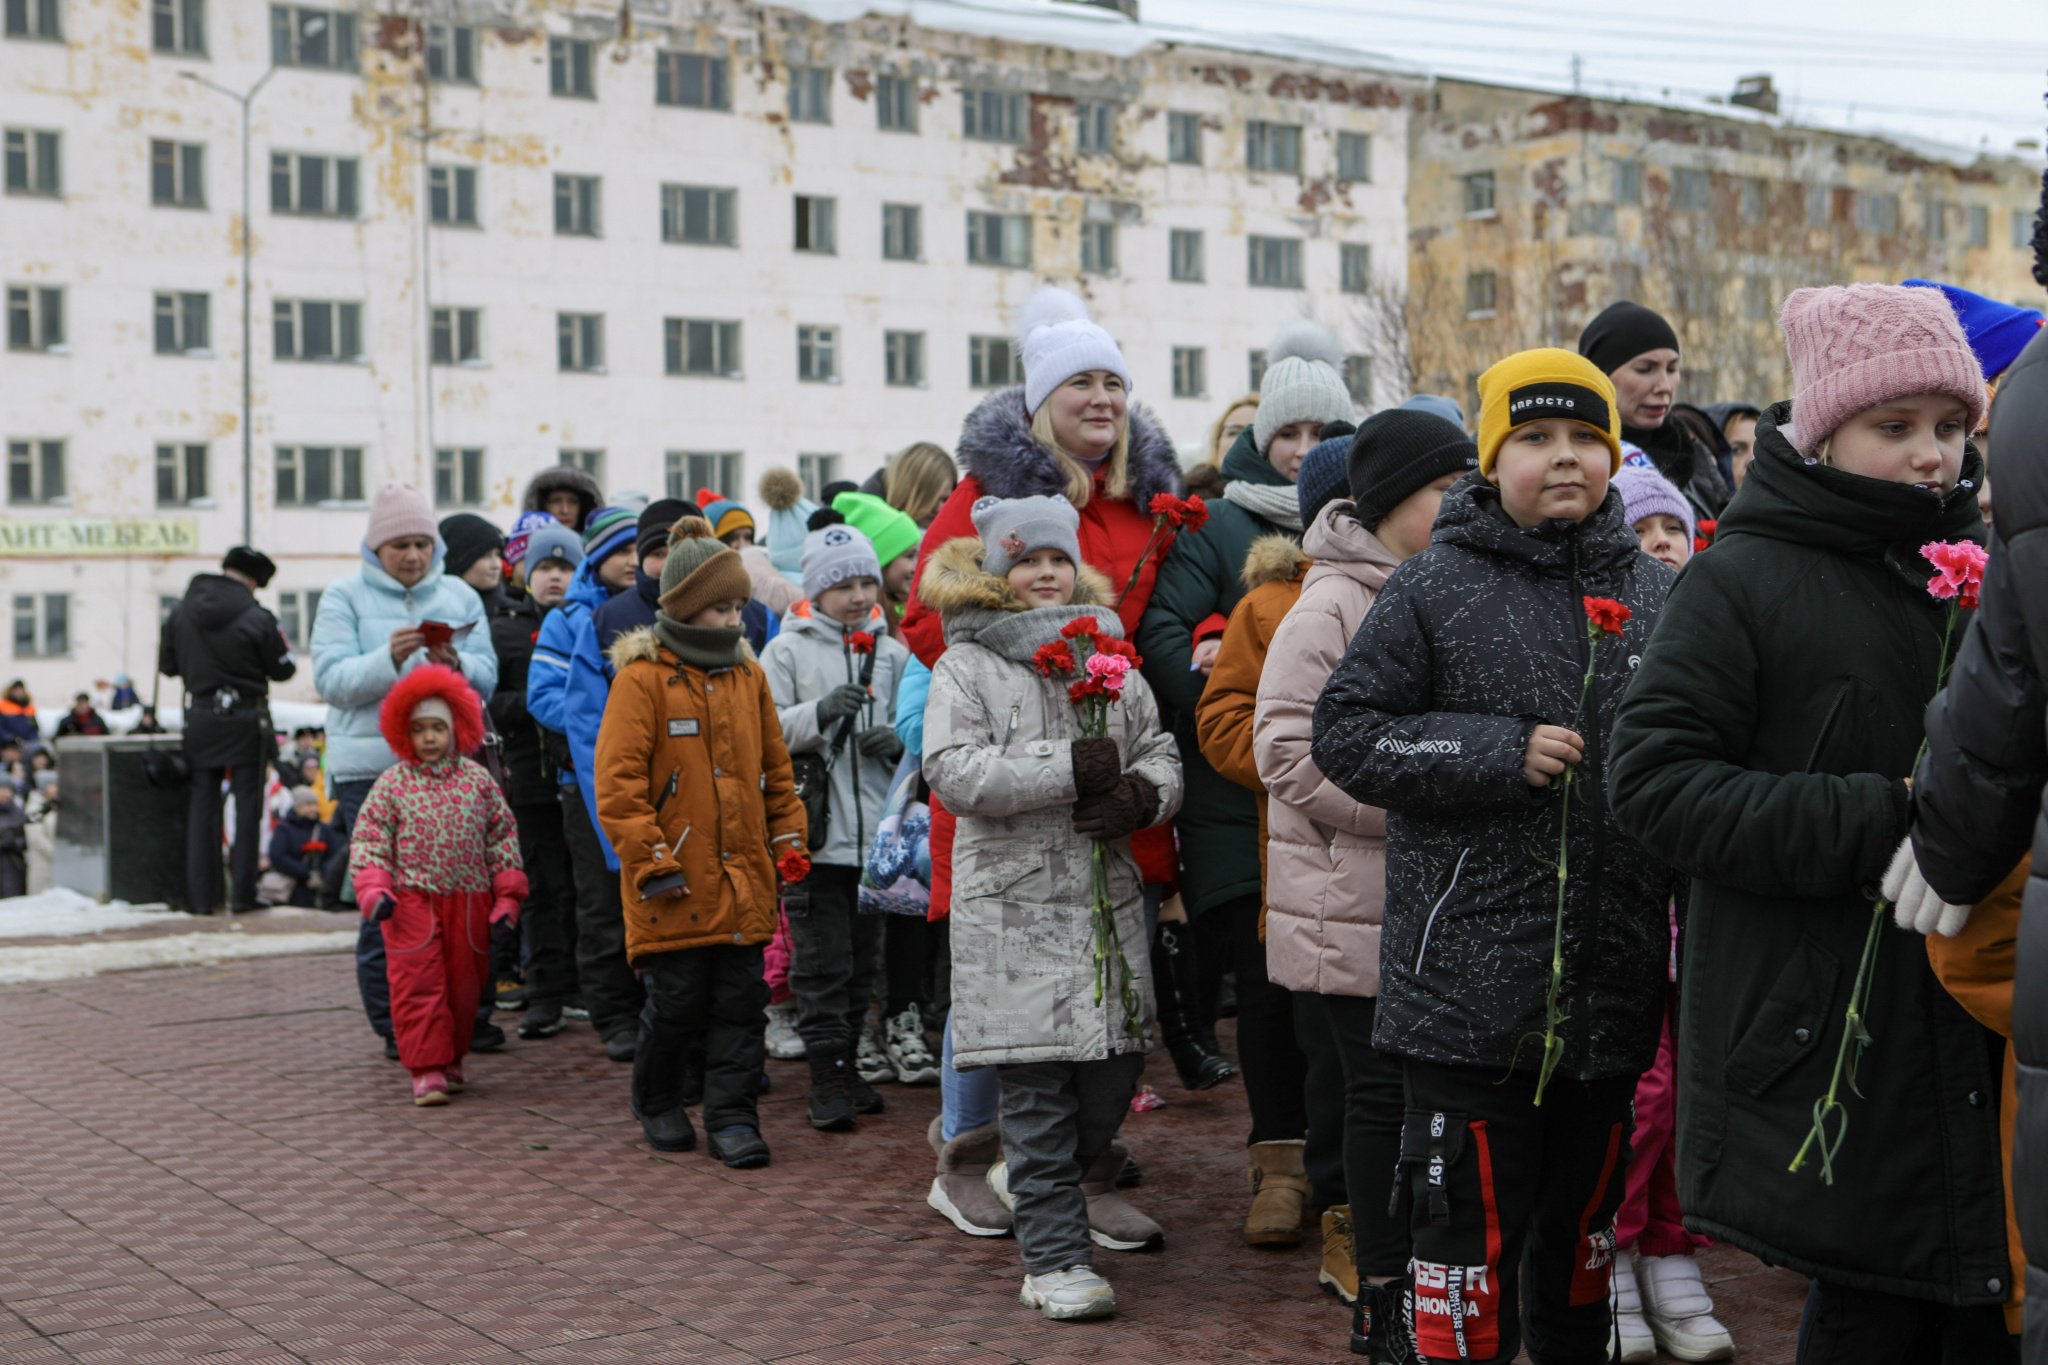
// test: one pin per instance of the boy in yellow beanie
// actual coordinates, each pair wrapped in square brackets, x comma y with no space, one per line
[1474,706]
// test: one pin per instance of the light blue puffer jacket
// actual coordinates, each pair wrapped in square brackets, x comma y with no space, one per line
[352,665]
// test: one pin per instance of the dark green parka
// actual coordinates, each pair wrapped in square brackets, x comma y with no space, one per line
[1761,750]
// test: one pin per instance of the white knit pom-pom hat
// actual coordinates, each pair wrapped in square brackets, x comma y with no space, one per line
[1058,340]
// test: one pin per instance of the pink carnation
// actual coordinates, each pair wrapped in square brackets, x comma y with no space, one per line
[1958,569]
[1110,670]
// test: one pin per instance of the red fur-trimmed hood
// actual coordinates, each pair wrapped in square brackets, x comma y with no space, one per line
[394,717]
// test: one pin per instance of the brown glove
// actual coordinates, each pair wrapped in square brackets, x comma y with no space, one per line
[1128,807]
[1097,766]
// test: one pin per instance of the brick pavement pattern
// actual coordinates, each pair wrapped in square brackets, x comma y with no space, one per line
[216,1164]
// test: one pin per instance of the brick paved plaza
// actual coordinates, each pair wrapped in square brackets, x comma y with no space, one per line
[215,1163]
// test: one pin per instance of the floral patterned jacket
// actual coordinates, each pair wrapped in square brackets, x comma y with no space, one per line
[436,827]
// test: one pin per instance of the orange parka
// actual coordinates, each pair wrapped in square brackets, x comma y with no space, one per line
[692,777]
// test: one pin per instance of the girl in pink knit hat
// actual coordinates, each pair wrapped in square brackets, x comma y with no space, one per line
[1763,750]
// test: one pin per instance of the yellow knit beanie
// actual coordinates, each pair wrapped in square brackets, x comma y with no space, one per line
[1531,385]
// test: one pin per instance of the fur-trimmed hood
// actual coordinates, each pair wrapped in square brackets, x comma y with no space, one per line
[998,449]
[643,646]
[1274,559]
[979,607]
[556,478]
[394,717]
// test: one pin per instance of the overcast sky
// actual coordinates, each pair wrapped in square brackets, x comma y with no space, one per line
[1975,78]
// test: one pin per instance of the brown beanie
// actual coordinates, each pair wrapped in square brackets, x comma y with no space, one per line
[700,571]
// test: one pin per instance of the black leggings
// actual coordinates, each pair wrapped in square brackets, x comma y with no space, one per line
[914,960]
[1275,1072]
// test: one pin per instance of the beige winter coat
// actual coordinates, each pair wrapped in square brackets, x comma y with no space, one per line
[1326,855]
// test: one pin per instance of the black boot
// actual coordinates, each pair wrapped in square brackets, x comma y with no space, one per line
[866,1099]
[1174,976]
[1383,1324]
[831,1100]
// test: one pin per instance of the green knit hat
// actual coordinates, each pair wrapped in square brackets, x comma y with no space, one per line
[893,534]
[700,570]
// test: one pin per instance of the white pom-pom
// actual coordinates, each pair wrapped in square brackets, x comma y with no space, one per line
[1308,340]
[1048,307]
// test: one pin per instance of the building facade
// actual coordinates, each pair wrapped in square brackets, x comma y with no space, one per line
[676,242]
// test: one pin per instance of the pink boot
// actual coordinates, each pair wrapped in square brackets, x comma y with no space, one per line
[429,1088]
[454,1075]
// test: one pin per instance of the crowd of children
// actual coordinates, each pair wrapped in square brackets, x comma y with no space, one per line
[1538,848]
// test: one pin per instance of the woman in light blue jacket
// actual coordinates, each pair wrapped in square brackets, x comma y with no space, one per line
[368,634]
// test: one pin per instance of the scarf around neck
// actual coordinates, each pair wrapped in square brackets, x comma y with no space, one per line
[1276,503]
[699,646]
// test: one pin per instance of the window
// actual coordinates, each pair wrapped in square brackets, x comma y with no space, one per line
[1820,205]
[1094,127]
[1184,255]
[1189,380]
[458,336]
[177,174]
[297,610]
[35,472]
[1979,219]
[576,199]
[1934,220]
[36,19]
[1354,268]
[992,363]
[317,329]
[699,215]
[1590,218]
[320,39]
[1256,368]
[35,317]
[896,104]
[1481,294]
[451,54]
[998,238]
[810,94]
[318,186]
[1272,146]
[1756,301]
[816,225]
[995,116]
[817,354]
[182,325]
[699,346]
[1098,248]
[816,471]
[459,476]
[178,26]
[180,473]
[1692,190]
[1877,213]
[35,162]
[1756,198]
[1354,156]
[690,80]
[571,71]
[579,342]
[902,232]
[1184,139]
[1479,194]
[308,476]
[42,625]
[1358,379]
[688,470]
[1628,181]
[451,196]
[1275,262]
[2022,221]
[589,461]
[903,359]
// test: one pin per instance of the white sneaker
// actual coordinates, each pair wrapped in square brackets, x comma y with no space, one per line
[785,1044]
[1065,1295]
[1628,1337]
[910,1057]
[1680,1312]
[998,1179]
[869,1059]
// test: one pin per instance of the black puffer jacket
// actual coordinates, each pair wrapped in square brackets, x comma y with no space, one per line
[562,478]
[1472,644]
[1980,791]
[1763,750]
[515,619]
[1692,468]
[220,639]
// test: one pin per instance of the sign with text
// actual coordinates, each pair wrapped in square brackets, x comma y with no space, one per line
[97,537]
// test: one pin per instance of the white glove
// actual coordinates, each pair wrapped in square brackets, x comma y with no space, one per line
[1915,905]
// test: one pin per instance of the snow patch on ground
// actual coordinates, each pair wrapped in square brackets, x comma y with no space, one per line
[64,913]
[67,961]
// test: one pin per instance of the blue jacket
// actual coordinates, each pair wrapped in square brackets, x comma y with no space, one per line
[911,693]
[352,665]
[547,676]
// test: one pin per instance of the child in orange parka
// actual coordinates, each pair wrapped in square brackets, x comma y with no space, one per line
[435,857]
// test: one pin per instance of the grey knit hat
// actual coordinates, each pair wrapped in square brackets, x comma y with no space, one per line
[835,554]
[1304,382]
[1011,528]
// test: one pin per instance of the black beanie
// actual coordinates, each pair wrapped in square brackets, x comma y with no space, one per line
[655,520]
[1399,451]
[468,538]
[1622,332]
[251,563]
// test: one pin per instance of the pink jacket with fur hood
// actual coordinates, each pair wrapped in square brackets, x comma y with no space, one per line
[1326,855]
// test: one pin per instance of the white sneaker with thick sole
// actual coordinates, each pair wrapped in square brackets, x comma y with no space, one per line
[910,1057]
[1628,1338]
[1680,1311]
[785,1044]
[998,1178]
[869,1059]
[1070,1294]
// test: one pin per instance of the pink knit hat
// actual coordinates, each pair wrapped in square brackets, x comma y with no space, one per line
[399,510]
[1854,346]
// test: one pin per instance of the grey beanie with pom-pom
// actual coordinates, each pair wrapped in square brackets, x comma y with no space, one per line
[1304,382]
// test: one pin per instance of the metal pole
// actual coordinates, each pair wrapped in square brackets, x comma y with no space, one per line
[248,438]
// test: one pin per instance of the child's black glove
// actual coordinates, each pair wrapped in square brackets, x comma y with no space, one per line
[880,741]
[1128,807]
[1097,766]
[841,702]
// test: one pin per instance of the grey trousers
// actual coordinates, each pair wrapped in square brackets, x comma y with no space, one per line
[1057,1118]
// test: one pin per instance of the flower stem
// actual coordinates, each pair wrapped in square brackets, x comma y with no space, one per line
[1158,530]
[1553,1045]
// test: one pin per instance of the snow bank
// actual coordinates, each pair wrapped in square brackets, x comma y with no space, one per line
[67,961]
[61,912]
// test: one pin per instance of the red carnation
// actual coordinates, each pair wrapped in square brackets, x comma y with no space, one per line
[1194,514]
[1053,657]
[1110,644]
[315,846]
[1090,686]
[1608,615]
[1079,627]
[860,642]
[793,866]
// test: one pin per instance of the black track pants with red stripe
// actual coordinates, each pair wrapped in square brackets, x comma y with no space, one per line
[1513,1211]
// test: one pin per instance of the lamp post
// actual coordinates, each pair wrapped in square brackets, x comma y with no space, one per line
[244,99]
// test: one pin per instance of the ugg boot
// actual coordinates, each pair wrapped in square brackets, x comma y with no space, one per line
[1115,1222]
[1339,1271]
[1679,1310]
[1175,981]
[1629,1339]
[960,1189]
[1383,1323]
[1279,1194]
